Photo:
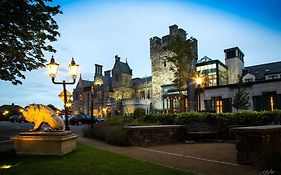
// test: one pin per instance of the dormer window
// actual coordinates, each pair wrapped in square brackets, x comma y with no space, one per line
[267,70]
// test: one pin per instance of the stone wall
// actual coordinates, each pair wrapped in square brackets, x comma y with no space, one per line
[256,145]
[155,135]
[161,75]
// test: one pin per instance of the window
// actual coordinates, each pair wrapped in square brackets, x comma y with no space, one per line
[271,103]
[231,54]
[165,64]
[272,77]
[219,106]
[249,80]
[267,70]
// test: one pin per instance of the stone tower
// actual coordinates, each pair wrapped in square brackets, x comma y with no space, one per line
[161,73]
[234,60]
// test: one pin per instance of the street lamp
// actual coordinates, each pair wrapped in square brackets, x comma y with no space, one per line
[5,113]
[199,83]
[92,106]
[53,69]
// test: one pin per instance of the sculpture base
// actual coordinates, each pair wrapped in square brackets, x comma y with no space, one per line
[45,143]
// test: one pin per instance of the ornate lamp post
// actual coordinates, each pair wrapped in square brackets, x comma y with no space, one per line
[53,69]
[199,83]
[92,106]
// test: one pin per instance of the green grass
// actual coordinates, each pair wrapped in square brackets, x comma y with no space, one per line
[85,160]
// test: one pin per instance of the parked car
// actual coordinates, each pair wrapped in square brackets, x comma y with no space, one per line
[14,118]
[100,119]
[63,117]
[82,119]
[22,119]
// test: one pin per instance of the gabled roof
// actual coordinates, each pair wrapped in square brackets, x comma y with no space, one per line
[124,67]
[83,83]
[86,83]
[204,59]
[141,80]
[106,81]
[259,71]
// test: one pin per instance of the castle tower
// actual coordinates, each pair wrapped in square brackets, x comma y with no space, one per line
[161,72]
[234,60]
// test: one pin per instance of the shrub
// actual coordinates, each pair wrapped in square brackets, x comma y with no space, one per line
[139,113]
[112,134]
[117,135]
[119,120]
[221,121]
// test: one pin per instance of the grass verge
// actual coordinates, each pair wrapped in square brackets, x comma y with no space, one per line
[85,160]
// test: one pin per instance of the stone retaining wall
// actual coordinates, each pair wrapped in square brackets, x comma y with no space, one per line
[155,135]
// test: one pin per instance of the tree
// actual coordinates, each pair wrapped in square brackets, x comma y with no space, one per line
[181,57]
[25,28]
[183,62]
[241,98]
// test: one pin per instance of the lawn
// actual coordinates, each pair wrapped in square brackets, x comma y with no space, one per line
[85,160]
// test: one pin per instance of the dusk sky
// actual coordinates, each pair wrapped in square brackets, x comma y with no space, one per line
[93,32]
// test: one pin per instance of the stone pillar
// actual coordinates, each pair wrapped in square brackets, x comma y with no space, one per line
[257,144]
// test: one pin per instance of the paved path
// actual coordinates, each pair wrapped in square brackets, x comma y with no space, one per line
[203,158]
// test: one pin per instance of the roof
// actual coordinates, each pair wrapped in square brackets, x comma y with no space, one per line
[206,62]
[86,83]
[204,59]
[82,84]
[141,80]
[124,67]
[233,48]
[259,71]
[106,81]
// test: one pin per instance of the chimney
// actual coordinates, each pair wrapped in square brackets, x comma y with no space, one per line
[98,69]
[117,58]
[107,73]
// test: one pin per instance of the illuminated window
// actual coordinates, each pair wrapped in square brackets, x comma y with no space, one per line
[271,103]
[219,106]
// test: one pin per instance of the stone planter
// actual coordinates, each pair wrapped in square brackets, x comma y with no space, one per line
[44,143]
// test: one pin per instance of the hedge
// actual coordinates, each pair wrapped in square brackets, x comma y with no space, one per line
[112,134]
[246,118]
[112,130]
